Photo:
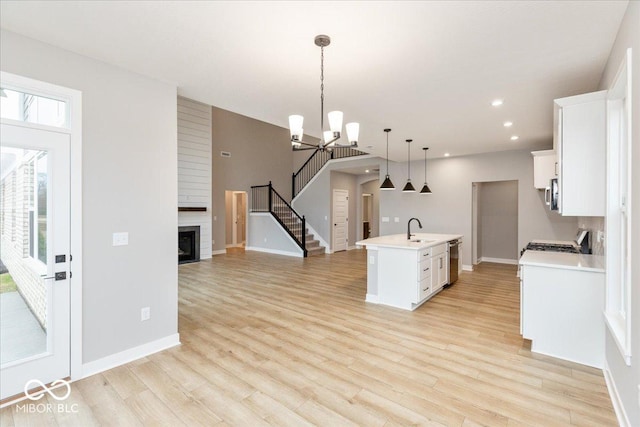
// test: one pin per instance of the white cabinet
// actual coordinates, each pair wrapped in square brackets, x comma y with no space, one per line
[440,270]
[579,141]
[406,278]
[561,313]
[544,168]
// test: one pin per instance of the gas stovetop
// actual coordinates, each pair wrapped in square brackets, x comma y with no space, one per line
[551,247]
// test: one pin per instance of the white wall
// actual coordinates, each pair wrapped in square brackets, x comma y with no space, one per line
[267,235]
[627,378]
[448,208]
[129,184]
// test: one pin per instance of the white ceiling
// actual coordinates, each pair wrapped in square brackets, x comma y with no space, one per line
[428,70]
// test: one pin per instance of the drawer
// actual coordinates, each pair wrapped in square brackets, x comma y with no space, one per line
[424,288]
[424,268]
[424,253]
[440,249]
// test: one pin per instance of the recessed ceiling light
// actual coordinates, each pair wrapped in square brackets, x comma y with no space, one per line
[497,102]
[515,137]
[447,154]
[366,171]
[507,124]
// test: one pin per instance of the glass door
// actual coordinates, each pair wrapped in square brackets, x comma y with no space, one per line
[34,256]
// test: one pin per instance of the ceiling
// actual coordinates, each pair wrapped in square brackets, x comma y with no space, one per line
[428,70]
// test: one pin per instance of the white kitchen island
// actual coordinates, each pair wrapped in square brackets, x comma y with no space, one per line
[405,273]
[561,305]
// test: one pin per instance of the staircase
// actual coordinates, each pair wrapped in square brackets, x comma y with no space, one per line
[315,162]
[290,221]
[264,198]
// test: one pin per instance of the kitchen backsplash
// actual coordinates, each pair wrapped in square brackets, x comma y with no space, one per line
[594,224]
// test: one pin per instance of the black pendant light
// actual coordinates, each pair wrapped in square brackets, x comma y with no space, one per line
[387,184]
[408,187]
[425,188]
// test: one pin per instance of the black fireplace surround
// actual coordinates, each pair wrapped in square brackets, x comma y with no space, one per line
[188,244]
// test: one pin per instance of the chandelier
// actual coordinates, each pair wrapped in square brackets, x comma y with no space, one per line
[329,137]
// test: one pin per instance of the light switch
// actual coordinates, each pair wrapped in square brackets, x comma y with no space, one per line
[121,239]
[396,219]
[385,219]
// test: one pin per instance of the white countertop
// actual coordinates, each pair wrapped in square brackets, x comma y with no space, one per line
[563,260]
[400,240]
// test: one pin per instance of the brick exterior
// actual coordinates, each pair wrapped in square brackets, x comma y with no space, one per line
[16,191]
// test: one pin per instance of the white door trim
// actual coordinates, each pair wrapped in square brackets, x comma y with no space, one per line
[74,102]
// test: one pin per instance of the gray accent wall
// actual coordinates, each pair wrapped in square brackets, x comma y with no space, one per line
[260,152]
[627,378]
[449,208]
[498,220]
[130,183]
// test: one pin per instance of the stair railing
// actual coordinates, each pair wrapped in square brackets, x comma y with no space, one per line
[264,198]
[315,162]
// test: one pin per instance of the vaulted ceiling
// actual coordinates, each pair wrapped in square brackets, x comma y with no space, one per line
[428,70]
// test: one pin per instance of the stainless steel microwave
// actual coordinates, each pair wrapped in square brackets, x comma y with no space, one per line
[552,194]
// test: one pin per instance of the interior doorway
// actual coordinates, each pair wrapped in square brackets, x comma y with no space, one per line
[495,222]
[236,218]
[367,215]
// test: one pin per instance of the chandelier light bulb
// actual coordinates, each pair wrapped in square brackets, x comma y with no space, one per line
[335,121]
[353,131]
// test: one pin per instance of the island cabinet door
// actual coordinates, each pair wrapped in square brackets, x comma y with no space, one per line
[424,279]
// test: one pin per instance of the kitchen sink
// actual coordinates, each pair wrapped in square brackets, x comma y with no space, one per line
[421,241]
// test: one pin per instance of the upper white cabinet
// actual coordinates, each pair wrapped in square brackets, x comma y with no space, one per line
[544,168]
[579,141]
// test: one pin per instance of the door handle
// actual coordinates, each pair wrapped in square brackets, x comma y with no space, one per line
[61,275]
[547,196]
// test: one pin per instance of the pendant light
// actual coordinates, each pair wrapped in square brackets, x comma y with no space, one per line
[425,188]
[408,187]
[387,184]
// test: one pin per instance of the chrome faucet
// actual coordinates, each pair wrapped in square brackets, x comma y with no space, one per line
[409,227]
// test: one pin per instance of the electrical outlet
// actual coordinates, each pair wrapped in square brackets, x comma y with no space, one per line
[145,313]
[372,259]
[120,239]
[396,219]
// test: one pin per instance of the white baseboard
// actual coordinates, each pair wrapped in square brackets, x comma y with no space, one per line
[219,252]
[466,267]
[618,407]
[372,298]
[499,260]
[275,251]
[350,248]
[129,355]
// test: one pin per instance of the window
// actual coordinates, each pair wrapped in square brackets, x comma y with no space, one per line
[26,107]
[618,236]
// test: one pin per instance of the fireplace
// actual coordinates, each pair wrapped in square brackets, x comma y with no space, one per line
[188,244]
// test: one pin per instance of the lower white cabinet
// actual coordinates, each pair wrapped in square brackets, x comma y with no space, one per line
[413,276]
[440,271]
[561,313]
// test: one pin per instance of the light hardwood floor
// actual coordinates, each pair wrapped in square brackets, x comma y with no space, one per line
[273,340]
